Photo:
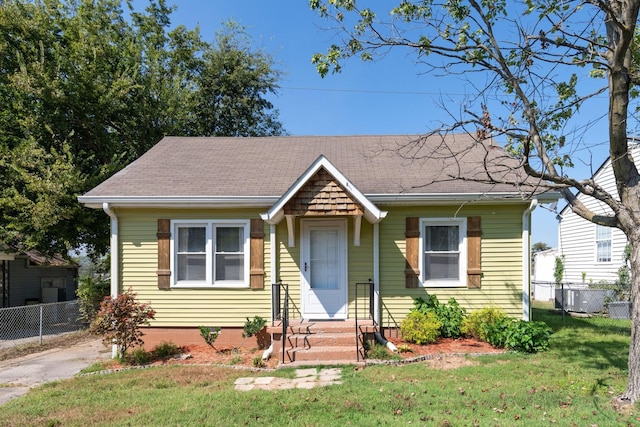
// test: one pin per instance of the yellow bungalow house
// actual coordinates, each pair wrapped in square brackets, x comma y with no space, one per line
[304,230]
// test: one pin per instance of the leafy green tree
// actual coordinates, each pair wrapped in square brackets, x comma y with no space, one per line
[87,86]
[535,57]
[234,83]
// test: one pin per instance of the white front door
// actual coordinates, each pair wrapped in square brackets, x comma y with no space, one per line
[324,269]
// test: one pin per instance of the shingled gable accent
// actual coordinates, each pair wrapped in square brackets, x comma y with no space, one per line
[315,192]
[322,195]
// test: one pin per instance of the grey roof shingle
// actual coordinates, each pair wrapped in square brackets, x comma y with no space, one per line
[268,166]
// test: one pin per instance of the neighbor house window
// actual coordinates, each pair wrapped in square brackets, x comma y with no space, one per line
[443,246]
[603,243]
[210,253]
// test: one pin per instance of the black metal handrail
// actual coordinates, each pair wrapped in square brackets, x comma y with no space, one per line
[390,317]
[369,286]
[280,310]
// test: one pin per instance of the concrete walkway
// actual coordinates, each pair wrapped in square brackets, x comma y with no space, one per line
[19,375]
[305,378]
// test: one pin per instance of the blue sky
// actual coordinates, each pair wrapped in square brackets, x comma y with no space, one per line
[388,96]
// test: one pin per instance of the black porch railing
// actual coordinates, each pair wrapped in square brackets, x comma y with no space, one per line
[280,308]
[368,310]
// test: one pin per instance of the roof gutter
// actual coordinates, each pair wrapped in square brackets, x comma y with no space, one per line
[114,259]
[526,260]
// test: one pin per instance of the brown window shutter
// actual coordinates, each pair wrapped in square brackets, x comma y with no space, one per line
[412,235]
[164,255]
[256,261]
[474,237]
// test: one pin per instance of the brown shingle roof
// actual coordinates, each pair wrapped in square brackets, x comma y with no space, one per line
[268,166]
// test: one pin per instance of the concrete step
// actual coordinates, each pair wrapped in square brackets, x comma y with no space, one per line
[322,353]
[330,339]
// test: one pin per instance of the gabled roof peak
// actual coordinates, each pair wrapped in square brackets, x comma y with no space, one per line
[371,211]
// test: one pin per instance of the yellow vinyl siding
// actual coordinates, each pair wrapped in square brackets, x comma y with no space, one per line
[185,307]
[288,266]
[501,260]
[360,268]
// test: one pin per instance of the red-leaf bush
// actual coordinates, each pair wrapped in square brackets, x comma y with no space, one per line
[119,321]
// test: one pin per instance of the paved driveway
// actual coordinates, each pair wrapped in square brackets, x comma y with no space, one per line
[17,376]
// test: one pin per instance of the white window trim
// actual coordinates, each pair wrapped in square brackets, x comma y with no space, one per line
[595,244]
[462,242]
[210,226]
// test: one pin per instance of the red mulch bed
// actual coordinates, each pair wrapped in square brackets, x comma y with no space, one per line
[447,346]
[205,355]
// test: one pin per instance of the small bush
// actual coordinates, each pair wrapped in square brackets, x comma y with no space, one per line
[93,286]
[252,327]
[119,321]
[527,337]
[165,350]
[404,348]
[496,332]
[209,335]
[480,324]
[139,357]
[450,315]
[258,362]
[420,328]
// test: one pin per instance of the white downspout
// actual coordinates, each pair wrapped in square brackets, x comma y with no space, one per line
[526,260]
[272,273]
[114,260]
[376,272]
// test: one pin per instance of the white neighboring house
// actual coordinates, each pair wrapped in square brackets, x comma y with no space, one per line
[543,282]
[593,253]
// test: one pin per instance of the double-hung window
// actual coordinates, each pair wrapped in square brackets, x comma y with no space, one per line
[210,253]
[603,243]
[443,243]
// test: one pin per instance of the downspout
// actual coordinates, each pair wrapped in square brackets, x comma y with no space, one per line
[114,260]
[376,284]
[376,272]
[272,273]
[526,260]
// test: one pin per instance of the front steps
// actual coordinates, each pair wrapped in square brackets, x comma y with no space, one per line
[310,342]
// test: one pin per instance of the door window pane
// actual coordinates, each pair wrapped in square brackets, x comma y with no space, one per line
[324,262]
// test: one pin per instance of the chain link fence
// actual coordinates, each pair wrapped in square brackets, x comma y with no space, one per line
[34,323]
[603,299]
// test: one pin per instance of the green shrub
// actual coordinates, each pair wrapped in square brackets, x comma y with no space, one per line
[496,332]
[93,287]
[258,362]
[165,350]
[404,348]
[252,327]
[210,335]
[420,328]
[450,315]
[527,337]
[139,356]
[482,323]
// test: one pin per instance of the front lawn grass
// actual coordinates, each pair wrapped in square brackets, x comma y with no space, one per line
[573,383]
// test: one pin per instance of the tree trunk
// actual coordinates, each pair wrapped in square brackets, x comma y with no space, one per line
[632,394]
